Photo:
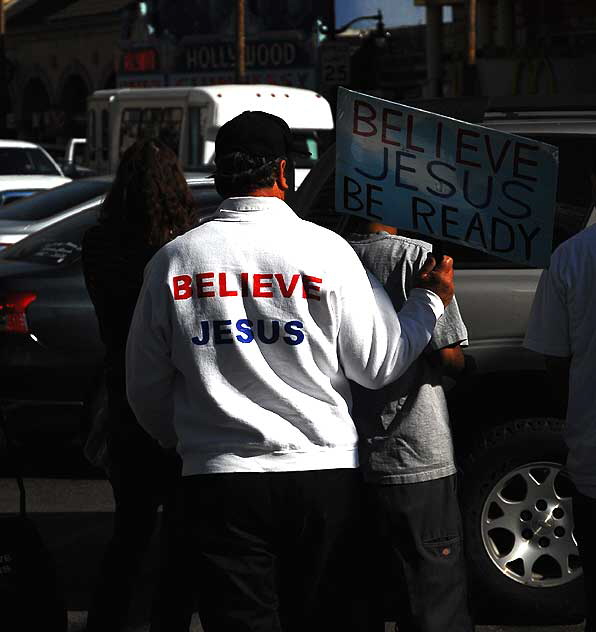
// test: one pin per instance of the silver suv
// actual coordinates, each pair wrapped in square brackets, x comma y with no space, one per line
[507,421]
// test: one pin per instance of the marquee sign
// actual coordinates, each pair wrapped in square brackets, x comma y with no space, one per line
[262,54]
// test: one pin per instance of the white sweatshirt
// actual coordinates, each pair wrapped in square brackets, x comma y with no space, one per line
[246,332]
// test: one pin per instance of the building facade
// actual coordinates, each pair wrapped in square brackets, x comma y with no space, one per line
[193,42]
[511,48]
[59,51]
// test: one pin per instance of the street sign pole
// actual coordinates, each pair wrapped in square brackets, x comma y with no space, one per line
[472,29]
[240,43]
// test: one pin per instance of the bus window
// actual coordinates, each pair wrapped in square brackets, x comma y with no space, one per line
[195,138]
[92,131]
[129,129]
[171,124]
[150,122]
[105,135]
[162,123]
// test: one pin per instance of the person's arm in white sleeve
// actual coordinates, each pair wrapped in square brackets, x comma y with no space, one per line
[376,344]
[149,370]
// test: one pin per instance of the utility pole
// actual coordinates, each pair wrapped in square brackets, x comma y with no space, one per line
[434,50]
[472,27]
[470,70]
[3,74]
[240,43]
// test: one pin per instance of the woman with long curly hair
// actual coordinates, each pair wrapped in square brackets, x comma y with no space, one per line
[148,204]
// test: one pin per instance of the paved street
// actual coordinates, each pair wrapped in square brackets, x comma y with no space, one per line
[74,517]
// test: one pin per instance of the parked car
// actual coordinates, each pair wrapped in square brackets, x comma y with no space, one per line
[50,352]
[523,560]
[25,169]
[33,213]
[507,422]
[71,158]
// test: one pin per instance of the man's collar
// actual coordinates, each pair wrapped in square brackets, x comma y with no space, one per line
[253,203]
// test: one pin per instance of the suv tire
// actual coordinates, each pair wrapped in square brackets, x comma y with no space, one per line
[519,526]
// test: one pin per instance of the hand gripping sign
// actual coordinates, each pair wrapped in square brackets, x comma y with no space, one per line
[445,178]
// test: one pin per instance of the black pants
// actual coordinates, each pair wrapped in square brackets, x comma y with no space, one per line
[273,551]
[141,483]
[584,517]
[420,535]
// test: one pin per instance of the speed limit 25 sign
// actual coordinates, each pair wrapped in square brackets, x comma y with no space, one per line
[335,65]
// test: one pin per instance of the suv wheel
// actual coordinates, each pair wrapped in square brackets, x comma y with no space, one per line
[522,553]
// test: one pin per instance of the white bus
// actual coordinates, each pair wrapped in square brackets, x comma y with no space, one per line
[188,120]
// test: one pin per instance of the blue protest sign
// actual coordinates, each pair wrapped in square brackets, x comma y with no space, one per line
[445,178]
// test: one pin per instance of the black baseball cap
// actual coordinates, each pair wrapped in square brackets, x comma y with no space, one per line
[258,134]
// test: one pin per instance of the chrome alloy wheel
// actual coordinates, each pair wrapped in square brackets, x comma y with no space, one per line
[527,526]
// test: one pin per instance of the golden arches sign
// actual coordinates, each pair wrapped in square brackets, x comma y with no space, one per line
[533,69]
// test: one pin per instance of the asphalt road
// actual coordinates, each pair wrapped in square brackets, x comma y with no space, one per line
[74,515]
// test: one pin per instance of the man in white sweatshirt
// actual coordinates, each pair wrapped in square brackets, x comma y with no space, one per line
[245,335]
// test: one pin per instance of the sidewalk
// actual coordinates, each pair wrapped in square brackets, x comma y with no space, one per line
[76,623]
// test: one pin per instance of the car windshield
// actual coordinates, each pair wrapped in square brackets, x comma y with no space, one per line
[26,161]
[574,191]
[57,244]
[54,201]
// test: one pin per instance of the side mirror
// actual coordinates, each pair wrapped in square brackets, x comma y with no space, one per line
[70,171]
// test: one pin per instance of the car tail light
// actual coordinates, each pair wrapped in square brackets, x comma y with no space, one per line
[13,317]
